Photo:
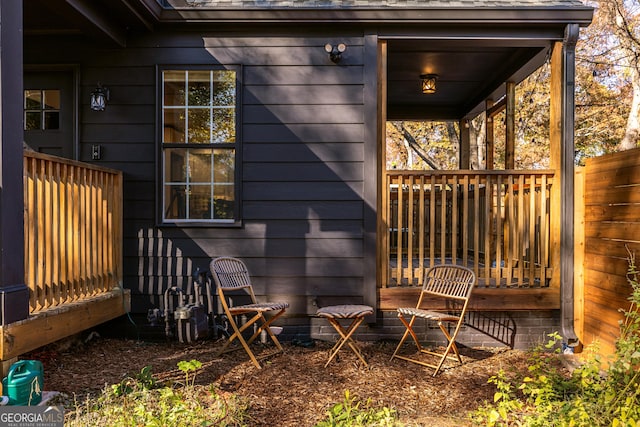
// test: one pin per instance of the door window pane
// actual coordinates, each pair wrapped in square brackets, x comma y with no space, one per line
[51,100]
[32,99]
[51,120]
[32,120]
[42,109]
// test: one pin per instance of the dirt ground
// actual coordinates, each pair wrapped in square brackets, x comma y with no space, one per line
[293,388]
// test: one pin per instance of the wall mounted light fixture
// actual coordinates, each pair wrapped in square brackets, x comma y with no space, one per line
[335,52]
[429,83]
[99,98]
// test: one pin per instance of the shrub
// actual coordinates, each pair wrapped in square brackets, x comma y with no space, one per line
[588,397]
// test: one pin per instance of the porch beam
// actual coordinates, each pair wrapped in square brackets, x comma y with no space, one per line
[97,22]
[496,107]
[52,325]
[482,299]
[144,21]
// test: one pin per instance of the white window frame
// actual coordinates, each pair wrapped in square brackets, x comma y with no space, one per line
[215,147]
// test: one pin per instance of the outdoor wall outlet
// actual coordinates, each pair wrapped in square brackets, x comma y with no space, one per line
[96,152]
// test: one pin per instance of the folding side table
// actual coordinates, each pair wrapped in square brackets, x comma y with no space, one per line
[333,314]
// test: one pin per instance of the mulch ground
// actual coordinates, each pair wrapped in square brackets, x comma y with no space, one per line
[293,388]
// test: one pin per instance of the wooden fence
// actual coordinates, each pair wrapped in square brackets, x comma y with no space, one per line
[496,222]
[73,230]
[607,223]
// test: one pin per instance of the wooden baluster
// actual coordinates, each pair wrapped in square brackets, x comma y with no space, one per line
[432,221]
[421,229]
[520,236]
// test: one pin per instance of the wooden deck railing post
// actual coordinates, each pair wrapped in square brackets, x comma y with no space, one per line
[14,304]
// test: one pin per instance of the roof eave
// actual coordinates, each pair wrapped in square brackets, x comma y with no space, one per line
[452,16]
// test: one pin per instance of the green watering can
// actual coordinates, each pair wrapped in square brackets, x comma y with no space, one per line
[24,382]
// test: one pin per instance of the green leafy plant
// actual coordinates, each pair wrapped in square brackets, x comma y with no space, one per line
[190,366]
[351,412]
[588,397]
[142,380]
[140,401]
[505,402]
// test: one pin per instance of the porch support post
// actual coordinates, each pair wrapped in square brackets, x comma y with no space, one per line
[555,160]
[373,116]
[489,137]
[465,144]
[14,294]
[510,123]
[383,191]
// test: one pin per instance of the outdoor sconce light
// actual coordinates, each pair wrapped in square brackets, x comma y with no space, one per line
[429,83]
[335,52]
[99,98]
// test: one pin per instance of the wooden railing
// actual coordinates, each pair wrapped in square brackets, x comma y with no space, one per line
[73,230]
[496,222]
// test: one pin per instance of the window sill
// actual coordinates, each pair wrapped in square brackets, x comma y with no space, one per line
[200,224]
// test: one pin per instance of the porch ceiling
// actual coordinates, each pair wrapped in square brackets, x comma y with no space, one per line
[103,21]
[469,72]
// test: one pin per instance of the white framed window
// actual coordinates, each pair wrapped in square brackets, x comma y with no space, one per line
[199,145]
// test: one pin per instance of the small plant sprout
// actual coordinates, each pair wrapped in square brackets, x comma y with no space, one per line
[190,366]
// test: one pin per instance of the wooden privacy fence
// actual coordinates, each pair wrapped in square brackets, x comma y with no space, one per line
[496,222]
[607,224]
[73,231]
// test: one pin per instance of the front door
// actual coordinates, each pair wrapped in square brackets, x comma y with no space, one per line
[49,111]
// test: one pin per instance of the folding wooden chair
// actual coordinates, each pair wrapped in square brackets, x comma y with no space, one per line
[453,284]
[231,275]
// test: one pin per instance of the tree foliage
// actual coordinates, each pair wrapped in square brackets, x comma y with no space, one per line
[605,74]
[437,145]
